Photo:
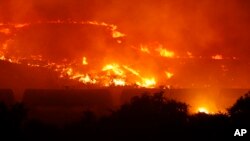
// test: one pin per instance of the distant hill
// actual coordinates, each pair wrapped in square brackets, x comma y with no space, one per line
[20,77]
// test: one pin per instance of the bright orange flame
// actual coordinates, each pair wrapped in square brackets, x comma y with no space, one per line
[119,82]
[203,110]
[85,79]
[117,34]
[165,53]
[84,61]
[147,82]
[115,68]
[131,70]
[169,74]
[144,49]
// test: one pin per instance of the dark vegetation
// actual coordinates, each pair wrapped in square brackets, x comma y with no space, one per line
[148,117]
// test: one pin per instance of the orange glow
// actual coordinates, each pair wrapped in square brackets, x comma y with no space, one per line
[119,82]
[217,57]
[190,55]
[21,25]
[2,57]
[115,68]
[84,61]
[144,49]
[117,34]
[5,31]
[150,44]
[203,110]
[69,71]
[147,82]
[133,69]
[169,74]
[85,79]
[165,53]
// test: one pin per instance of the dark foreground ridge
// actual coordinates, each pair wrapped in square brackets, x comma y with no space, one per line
[144,117]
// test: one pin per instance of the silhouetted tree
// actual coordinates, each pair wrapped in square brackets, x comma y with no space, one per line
[148,117]
[209,126]
[11,119]
[240,111]
[4,117]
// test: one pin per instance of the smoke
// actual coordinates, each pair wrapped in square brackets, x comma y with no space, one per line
[202,28]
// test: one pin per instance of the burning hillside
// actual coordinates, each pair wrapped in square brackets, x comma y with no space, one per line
[96,53]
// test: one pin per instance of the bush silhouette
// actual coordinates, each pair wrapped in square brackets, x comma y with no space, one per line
[148,117]
[240,111]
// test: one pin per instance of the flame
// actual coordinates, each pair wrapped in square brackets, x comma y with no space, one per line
[85,79]
[2,57]
[169,74]
[203,110]
[115,68]
[131,70]
[119,82]
[147,82]
[165,53]
[107,73]
[217,57]
[117,34]
[84,61]
[69,71]
[113,28]
[144,49]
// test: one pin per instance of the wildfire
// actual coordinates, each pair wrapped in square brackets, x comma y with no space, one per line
[85,79]
[107,73]
[217,57]
[144,49]
[169,74]
[113,28]
[165,53]
[119,82]
[203,110]
[115,68]
[147,82]
[84,61]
